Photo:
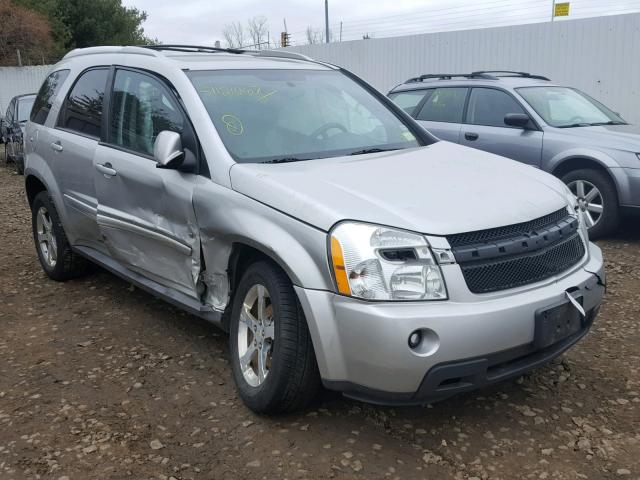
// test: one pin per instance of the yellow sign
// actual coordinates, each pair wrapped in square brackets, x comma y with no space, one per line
[561,9]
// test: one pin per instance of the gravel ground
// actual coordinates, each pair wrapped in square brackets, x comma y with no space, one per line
[99,380]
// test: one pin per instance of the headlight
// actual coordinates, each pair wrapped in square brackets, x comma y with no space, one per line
[380,263]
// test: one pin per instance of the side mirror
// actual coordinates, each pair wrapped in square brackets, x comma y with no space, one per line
[520,120]
[167,150]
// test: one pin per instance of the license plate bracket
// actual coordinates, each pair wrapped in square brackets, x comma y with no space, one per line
[553,324]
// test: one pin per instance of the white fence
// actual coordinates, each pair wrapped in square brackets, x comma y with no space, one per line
[596,55]
[19,80]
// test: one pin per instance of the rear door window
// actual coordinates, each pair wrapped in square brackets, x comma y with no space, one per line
[46,94]
[444,105]
[82,110]
[409,100]
[488,106]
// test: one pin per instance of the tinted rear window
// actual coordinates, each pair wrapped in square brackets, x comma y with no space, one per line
[47,93]
[82,110]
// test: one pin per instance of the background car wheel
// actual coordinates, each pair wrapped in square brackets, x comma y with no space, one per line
[54,252]
[19,163]
[597,198]
[272,357]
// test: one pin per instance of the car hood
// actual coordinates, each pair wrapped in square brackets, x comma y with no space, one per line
[440,189]
[617,137]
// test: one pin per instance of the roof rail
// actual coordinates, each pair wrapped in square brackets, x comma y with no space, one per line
[449,76]
[204,49]
[195,48]
[77,52]
[510,73]
[282,54]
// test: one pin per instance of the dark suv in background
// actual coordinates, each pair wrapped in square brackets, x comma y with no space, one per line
[527,118]
[12,129]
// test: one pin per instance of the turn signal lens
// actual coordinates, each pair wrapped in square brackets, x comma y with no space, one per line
[339,269]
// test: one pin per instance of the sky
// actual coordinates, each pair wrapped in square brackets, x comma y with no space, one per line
[201,22]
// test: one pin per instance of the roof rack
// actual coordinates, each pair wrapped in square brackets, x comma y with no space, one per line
[510,73]
[449,76]
[204,49]
[194,48]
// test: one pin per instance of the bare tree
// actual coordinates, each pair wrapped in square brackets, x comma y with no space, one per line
[258,30]
[233,34]
[314,36]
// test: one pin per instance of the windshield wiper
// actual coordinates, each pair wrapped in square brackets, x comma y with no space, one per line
[610,122]
[286,160]
[372,150]
[573,125]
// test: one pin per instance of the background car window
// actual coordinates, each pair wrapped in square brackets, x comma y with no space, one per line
[444,105]
[82,111]
[488,106]
[46,94]
[565,107]
[8,118]
[24,108]
[141,108]
[408,101]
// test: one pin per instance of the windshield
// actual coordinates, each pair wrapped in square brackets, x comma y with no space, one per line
[24,108]
[567,107]
[290,115]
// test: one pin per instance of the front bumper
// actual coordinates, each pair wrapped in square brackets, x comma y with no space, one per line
[362,347]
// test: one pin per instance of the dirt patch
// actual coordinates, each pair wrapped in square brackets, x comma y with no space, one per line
[99,380]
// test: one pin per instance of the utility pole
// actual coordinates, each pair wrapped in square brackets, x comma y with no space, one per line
[341,30]
[19,57]
[553,9]
[326,21]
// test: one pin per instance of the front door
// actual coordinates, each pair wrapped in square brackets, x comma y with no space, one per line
[146,214]
[485,129]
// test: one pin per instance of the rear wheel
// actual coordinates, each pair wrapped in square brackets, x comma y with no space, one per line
[597,199]
[272,357]
[54,252]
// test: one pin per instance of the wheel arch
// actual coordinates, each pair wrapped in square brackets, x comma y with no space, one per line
[33,186]
[579,162]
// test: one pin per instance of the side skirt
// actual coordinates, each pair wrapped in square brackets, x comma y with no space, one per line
[178,299]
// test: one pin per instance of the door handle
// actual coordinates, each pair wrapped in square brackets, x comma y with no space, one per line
[106,169]
[57,146]
[471,136]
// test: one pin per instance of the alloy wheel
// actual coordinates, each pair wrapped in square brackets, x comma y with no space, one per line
[256,334]
[590,201]
[46,237]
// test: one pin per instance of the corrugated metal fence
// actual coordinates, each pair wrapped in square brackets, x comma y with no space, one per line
[18,80]
[596,55]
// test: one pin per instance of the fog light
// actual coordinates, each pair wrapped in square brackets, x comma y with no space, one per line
[414,339]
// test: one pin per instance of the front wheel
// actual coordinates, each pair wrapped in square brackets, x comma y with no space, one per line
[597,198]
[272,357]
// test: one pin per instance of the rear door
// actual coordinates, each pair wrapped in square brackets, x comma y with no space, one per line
[441,112]
[485,129]
[146,214]
[71,148]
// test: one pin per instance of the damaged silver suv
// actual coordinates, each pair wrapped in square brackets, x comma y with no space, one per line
[288,202]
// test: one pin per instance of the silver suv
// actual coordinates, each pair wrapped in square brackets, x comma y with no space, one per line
[527,118]
[291,204]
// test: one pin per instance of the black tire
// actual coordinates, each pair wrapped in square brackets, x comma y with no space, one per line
[610,218]
[293,380]
[19,163]
[68,264]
